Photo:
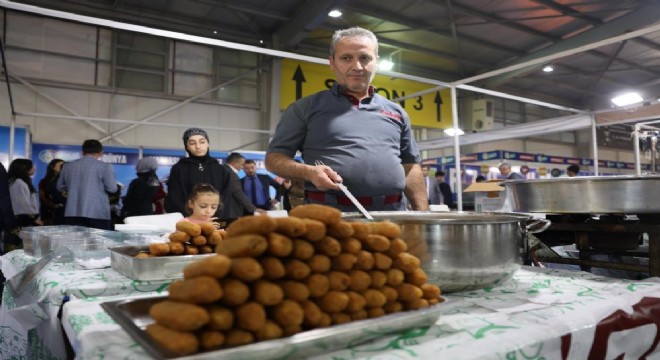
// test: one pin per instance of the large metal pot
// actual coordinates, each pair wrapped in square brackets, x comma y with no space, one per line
[586,195]
[463,251]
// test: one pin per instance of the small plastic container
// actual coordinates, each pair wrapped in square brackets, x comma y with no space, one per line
[36,241]
[92,253]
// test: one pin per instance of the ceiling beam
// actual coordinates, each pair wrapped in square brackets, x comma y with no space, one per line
[308,18]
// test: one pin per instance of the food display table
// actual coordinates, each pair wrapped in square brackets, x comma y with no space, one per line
[538,314]
[29,325]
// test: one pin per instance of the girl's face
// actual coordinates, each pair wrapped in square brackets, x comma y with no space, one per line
[204,206]
[32,171]
[197,145]
[57,167]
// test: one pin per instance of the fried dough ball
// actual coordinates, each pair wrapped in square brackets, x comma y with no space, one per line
[246,268]
[211,340]
[344,262]
[430,291]
[374,298]
[179,236]
[207,228]
[291,330]
[325,320]
[235,292]
[191,249]
[340,230]
[338,280]
[288,313]
[360,230]
[314,230]
[325,214]
[177,248]
[356,302]
[198,290]
[359,280]
[417,277]
[246,245]
[215,238]
[302,249]
[143,255]
[375,312]
[256,224]
[359,315]
[198,240]
[351,245]
[397,246]
[333,301]
[376,242]
[296,269]
[390,293]
[189,228]
[279,245]
[206,249]
[365,260]
[237,337]
[178,315]
[417,304]
[385,228]
[406,263]
[267,293]
[433,301]
[294,290]
[177,342]
[220,318]
[340,318]
[273,267]
[250,316]
[329,246]
[378,279]
[318,284]
[393,307]
[409,292]
[319,263]
[312,313]
[270,331]
[395,277]
[159,249]
[382,261]
[290,226]
[215,266]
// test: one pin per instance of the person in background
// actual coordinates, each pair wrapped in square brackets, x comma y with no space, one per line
[257,186]
[432,189]
[572,170]
[555,173]
[51,202]
[361,138]
[237,204]
[505,170]
[480,178]
[203,203]
[87,183]
[23,199]
[144,191]
[198,167]
[445,190]
[292,193]
[7,220]
[524,170]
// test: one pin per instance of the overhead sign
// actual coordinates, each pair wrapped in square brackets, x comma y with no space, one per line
[433,110]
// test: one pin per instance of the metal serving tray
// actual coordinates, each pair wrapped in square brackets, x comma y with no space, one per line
[133,316]
[123,261]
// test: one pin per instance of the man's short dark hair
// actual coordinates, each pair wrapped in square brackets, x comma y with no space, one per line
[250,161]
[573,168]
[439,173]
[92,146]
[234,157]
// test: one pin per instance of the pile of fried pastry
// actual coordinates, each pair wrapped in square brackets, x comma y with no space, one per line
[188,239]
[275,277]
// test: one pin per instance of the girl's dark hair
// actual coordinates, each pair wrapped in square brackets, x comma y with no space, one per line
[202,188]
[50,172]
[20,169]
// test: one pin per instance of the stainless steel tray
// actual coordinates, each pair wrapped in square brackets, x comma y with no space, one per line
[123,261]
[133,316]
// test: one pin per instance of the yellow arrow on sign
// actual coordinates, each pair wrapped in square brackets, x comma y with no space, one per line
[431,110]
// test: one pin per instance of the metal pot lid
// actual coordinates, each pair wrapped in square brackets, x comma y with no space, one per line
[429,217]
[584,179]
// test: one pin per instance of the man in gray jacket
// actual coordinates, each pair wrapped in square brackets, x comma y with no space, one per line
[238,204]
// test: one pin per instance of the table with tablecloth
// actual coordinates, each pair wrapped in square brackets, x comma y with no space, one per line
[538,314]
[29,325]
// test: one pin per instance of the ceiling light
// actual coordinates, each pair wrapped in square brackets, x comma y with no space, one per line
[385,65]
[454,132]
[627,99]
[335,13]
[215,31]
[261,41]
[548,68]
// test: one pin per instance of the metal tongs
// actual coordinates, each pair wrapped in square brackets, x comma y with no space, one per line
[18,282]
[348,194]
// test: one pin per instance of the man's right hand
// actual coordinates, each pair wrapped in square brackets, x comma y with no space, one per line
[323,177]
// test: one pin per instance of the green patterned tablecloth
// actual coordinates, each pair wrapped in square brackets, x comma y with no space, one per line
[539,314]
[29,325]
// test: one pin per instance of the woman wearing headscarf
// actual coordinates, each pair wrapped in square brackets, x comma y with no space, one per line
[23,198]
[198,167]
[143,191]
[51,202]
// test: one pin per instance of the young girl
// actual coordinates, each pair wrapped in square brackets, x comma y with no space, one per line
[203,202]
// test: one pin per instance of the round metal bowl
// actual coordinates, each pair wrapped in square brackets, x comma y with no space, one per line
[462,251]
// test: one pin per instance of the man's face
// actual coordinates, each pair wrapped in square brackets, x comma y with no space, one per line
[354,64]
[250,169]
[425,171]
[197,145]
[239,164]
[505,170]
